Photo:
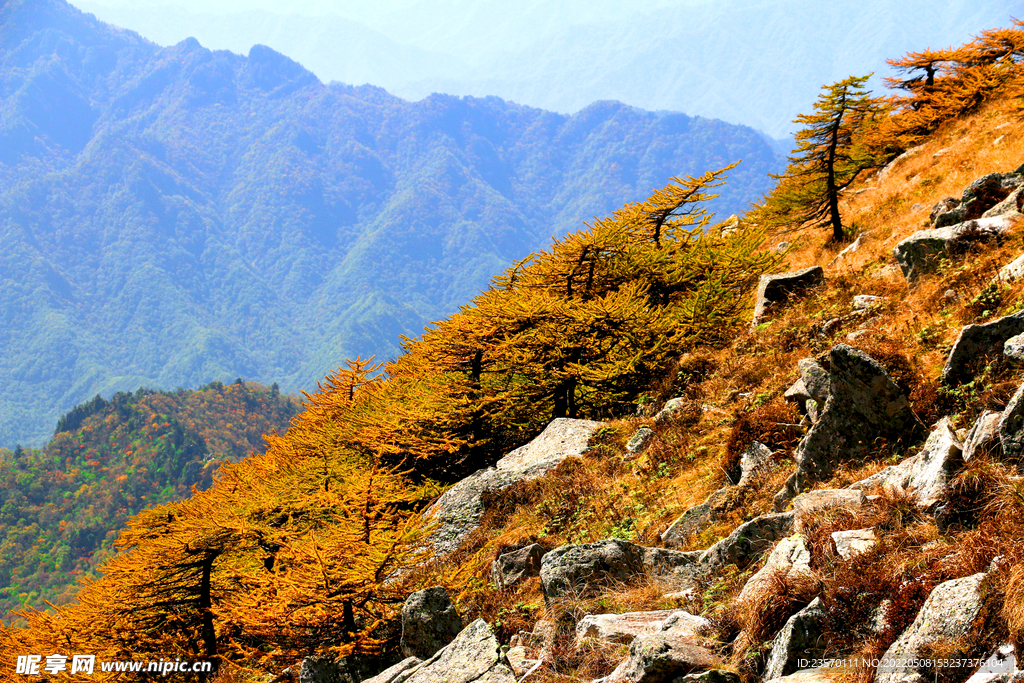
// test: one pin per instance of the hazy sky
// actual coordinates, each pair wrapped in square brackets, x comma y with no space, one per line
[756,62]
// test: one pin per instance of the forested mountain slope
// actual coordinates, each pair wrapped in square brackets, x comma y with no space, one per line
[174,216]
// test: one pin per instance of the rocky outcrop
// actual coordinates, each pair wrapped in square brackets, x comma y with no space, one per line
[693,521]
[394,673]
[983,194]
[947,614]
[808,505]
[983,439]
[976,342]
[920,252]
[581,569]
[511,568]
[460,509]
[748,541]
[620,628]
[429,622]
[863,405]
[778,288]
[473,657]
[928,473]
[790,559]
[800,638]
[850,544]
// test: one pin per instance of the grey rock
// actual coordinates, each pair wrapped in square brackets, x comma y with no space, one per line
[942,206]
[473,657]
[1014,347]
[864,404]
[1012,204]
[979,197]
[979,341]
[918,253]
[394,673]
[947,614]
[815,378]
[1012,271]
[710,676]
[850,544]
[809,504]
[781,247]
[1011,427]
[669,410]
[753,457]
[459,510]
[580,569]
[639,439]
[320,669]
[983,439]
[620,628]
[928,473]
[778,288]
[519,661]
[748,541]
[665,563]
[693,521]
[797,394]
[862,302]
[664,656]
[789,558]
[800,638]
[512,567]
[429,622]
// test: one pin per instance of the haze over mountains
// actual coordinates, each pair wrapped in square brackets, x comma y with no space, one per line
[754,62]
[175,216]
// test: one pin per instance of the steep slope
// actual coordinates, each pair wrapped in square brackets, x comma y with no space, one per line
[172,216]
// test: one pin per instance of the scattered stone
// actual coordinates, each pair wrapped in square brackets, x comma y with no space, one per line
[864,301]
[394,673]
[1012,204]
[947,614]
[320,669]
[950,294]
[812,503]
[916,207]
[663,656]
[980,196]
[511,568]
[941,207]
[983,439]
[1011,427]
[460,509]
[790,558]
[671,407]
[854,246]
[918,253]
[928,473]
[639,439]
[887,169]
[781,247]
[1014,347]
[850,544]
[578,569]
[815,378]
[662,562]
[779,287]
[620,628]
[854,336]
[693,521]
[429,622]
[797,394]
[998,667]
[748,541]
[519,661]
[1012,271]
[979,341]
[800,638]
[864,404]
[473,657]
[754,456]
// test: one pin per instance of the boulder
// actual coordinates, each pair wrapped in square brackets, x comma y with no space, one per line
[663,562]
[800,638]
[983,439]
[668,411]
[928,473]
[394,673]
[459,510]
[748,541]
[1014,347]
[790,558]
[639,439]
[864,404]
[777,288]
[663,656]
[942,206]
[519,660]
[980,196]
[1011,427]
[693,521]
[620,628]
[429,622]
[947,614]
[850,544]
[473,657]
[578,569]
[918,253]
[806,505]
[976,342]
[510,568]
[754,456]
[813,385]
[1013,203]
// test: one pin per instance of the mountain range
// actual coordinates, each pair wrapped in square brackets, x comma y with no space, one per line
[174,216]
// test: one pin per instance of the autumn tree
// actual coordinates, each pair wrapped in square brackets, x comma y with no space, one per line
[828,158]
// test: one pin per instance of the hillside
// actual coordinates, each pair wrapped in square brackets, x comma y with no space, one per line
[178,215]
[62,506]
[662,449]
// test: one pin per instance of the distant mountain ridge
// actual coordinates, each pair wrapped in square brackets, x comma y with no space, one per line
[172,216]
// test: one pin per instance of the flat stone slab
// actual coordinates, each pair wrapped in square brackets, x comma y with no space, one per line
[779,287]
[850,544]
[620,628]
